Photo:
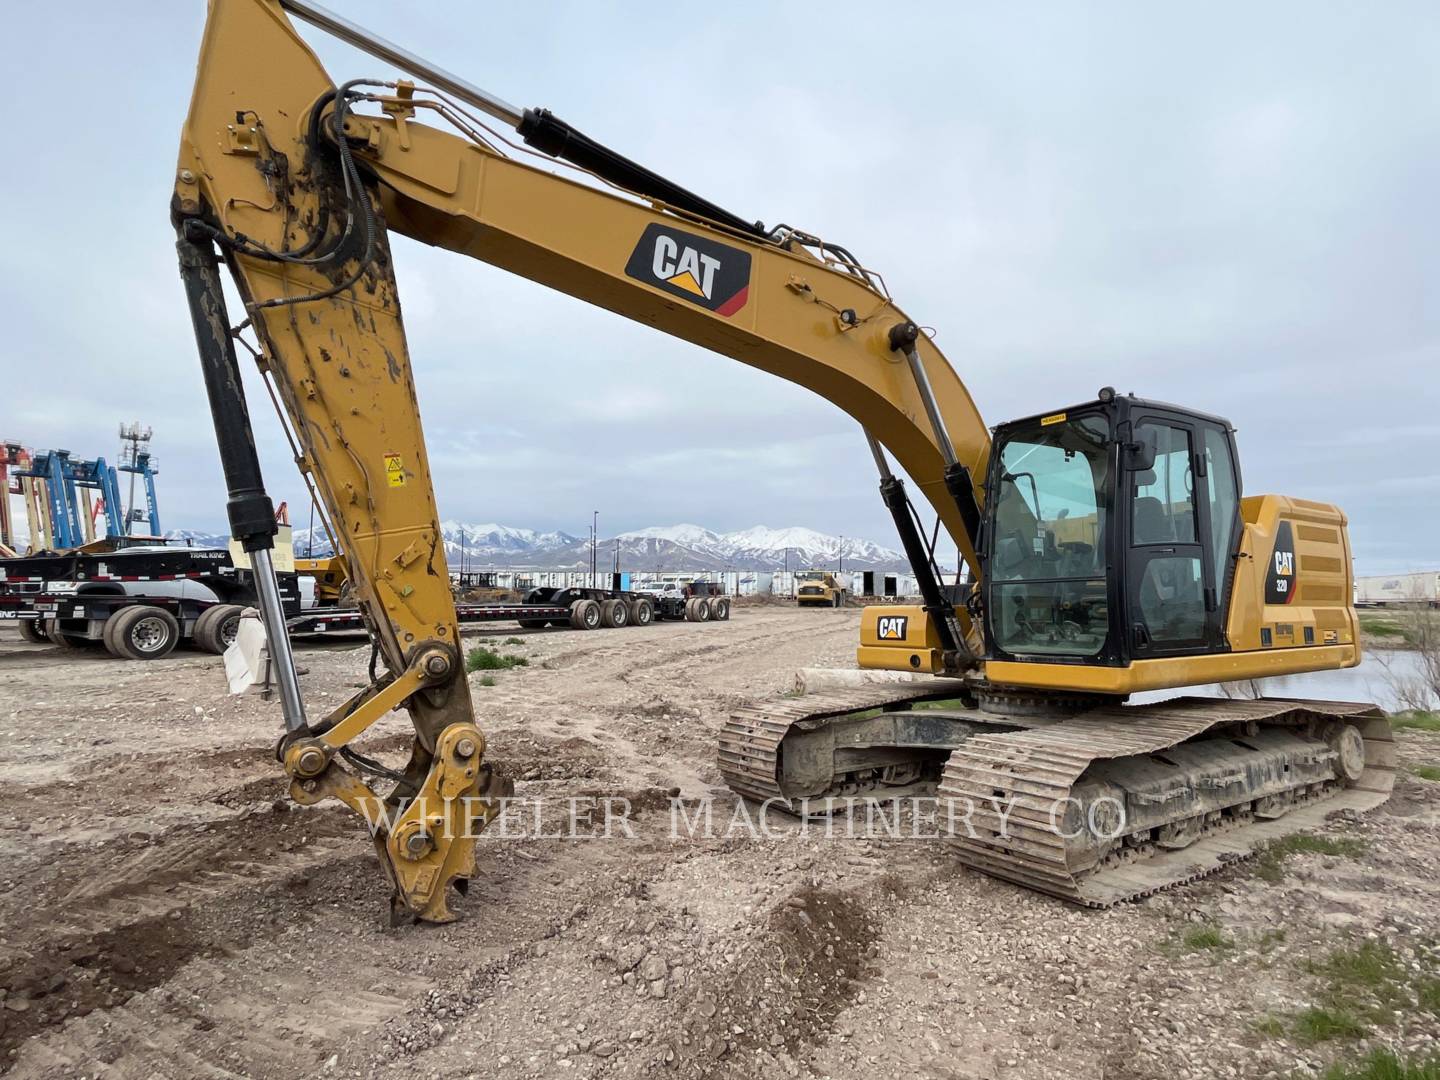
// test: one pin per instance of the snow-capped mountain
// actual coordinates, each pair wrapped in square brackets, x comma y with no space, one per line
[660,547]
[689,535]
[807,546]
[198,539]
[493,539]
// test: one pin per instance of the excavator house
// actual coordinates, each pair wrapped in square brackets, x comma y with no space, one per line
[1110,549]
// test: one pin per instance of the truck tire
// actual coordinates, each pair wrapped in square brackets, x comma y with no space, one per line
[720,608]
[614,614]
[584,614]
[64,641]
[642,612]
[33,631]
[107,636]
[215,628]
[144,633]
[836,601]
[698,609]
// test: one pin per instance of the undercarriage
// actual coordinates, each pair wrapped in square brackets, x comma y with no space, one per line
[1088,800]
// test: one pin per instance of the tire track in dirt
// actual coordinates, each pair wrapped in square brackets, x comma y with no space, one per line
[121,919]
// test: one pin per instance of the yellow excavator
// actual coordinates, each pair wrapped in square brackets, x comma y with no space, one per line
[1108,545]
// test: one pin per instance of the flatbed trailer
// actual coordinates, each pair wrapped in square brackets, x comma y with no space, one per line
[143,602]
[576,608]
[139,602]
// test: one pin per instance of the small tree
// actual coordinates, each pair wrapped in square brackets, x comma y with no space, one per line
[1413,673]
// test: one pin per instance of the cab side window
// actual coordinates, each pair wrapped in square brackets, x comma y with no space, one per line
[1164,507]
[1163,532]
[1224,496]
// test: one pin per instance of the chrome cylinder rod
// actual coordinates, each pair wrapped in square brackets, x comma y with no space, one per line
[878,452]
[405,60]
[277,639]
[932,410]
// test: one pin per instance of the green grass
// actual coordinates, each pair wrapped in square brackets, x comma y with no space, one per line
[1371,965]
[483,659]
[1269,940]
[1268,865]
[1426,772]
[487,680]
[1319,1024]
[1272,1027]
[1427,994]
[1416,720]
[1365,985]
[1205,937]
[514,641]
[1414,628]
[1380,626]
[1383,1065]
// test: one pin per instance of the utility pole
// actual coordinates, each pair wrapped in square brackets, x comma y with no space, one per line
[134,440]
[842,556]
[594,547]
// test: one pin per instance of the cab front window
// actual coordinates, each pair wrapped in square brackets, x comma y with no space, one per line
[1048,528]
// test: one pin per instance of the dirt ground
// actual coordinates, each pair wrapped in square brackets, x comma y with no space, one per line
[165,914]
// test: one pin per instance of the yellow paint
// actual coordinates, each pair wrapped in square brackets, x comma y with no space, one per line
[687,282]
[342,367]
[1053,418]
[1171,672]
[1323,580]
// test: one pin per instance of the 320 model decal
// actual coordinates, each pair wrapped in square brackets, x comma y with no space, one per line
[1280,576]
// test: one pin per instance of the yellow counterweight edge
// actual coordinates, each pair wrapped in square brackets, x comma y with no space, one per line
[1172,672]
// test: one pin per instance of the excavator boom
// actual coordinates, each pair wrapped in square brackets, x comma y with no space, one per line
[285,179]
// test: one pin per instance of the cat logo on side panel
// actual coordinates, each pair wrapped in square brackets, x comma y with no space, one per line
[892,627]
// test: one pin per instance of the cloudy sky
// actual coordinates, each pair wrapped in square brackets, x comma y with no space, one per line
[1231,206]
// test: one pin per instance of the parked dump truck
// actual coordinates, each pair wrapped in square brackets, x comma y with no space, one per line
[819,588]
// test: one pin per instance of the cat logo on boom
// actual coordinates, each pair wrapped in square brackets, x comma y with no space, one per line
[892,627]
[695,268]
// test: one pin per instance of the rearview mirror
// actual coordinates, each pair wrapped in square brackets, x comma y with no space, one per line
[1140,455]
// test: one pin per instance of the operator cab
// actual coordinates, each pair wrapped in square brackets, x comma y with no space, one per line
[1109,532]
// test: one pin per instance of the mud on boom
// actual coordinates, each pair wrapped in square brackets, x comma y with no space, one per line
[1108,541]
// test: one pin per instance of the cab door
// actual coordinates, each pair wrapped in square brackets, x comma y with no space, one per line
[1169,575]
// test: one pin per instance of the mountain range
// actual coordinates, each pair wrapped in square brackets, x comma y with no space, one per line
[659,547]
